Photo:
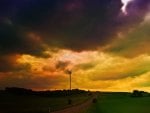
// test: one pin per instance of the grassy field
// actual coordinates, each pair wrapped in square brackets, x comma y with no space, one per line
[120,103]
[35,104]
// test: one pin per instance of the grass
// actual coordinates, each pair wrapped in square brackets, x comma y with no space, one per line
[120,103]
[35,104]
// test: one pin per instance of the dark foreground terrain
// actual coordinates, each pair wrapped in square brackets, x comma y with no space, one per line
[25,101]
[14,100]
[120,103]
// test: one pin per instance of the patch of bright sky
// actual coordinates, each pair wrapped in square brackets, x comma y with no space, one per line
[147,19]
[125,3]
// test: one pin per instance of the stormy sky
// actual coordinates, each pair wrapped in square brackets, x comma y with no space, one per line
[104,42]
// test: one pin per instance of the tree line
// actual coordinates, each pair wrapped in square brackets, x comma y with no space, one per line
[48,93]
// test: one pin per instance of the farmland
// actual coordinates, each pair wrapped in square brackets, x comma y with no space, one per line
[120,103]
[12,103]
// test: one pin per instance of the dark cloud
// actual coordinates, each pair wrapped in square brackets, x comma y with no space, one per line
[72,24]
[62,65]
[8,63]
[86,66]
[134,43]
[138,8]
[79,24]
[27,25]
[16,40]
[76,24]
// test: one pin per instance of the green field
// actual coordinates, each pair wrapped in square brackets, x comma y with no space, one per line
[120,103]
[10,103]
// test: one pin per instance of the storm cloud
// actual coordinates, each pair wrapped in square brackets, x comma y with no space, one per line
[77,24]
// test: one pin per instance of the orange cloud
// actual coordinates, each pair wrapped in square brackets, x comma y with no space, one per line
[104,71]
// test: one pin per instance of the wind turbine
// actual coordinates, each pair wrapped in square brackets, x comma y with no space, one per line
[69,72]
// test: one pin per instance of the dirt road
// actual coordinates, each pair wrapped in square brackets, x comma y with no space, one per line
[77,108]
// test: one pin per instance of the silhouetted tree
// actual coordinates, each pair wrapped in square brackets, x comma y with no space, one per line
[137,93]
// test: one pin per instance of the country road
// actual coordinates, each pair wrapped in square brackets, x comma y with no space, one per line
[77,108]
